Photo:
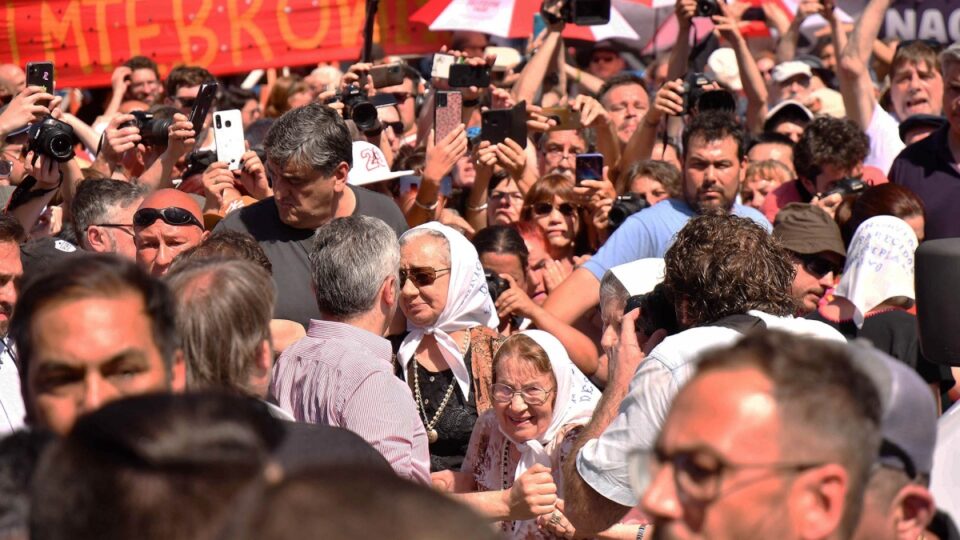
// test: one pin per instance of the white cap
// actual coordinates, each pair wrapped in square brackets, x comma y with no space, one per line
[640,276]
[828,101]
[370,166]
[786,70]
[722,63]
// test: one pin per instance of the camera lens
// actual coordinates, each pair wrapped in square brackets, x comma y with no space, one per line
[227,123]
[364,114]
[217,119]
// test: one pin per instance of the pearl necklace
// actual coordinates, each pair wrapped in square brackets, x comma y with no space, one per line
[430,425]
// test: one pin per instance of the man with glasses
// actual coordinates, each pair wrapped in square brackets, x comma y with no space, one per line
[559,152]
[183,85]
[405,95]
[102,213]
[341,373]
[816,248]
[773,437]
[167,223]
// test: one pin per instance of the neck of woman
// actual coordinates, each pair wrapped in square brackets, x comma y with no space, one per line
[428,353]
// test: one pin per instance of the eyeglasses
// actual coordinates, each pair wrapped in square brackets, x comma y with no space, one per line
[531,395]
[397,127]
[932,44]
[125,227]
[421,276]
[698,474]
[186,102]
[545,209]
[171,215]
[514,196]
[818,266]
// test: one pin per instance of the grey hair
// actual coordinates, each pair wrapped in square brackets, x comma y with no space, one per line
[949,57]
[413,234]
[314,135]
[224,308]
[95,200]
[350,259]
[611,289]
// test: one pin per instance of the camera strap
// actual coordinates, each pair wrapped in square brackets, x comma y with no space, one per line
[24,193]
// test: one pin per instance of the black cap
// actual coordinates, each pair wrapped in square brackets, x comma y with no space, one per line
[918,121]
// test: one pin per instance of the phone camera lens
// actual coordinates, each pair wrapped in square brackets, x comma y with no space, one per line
[227,122]
[218,122]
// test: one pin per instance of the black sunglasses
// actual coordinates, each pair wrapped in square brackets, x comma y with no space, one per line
[545,208]
[932,44]
[171,215]
[187,103]
[819,266]
[397,127]
[421,276]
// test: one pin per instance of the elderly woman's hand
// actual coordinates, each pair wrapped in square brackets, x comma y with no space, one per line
[556,523]
[533,494]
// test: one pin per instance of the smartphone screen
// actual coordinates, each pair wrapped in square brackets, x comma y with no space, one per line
[205,97]
[589,167]
[41,74]
[441,66]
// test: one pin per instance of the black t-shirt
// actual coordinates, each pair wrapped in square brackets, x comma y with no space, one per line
[288,248]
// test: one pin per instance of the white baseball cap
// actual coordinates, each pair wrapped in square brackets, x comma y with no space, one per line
[786,70]
[722,63]
[370,166]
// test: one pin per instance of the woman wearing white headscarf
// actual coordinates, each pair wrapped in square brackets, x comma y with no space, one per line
[513,469]
[446,356]
[875,297]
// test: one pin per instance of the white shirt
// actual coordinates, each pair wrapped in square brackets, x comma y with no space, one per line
[602,462]
[12,411]
[885,143]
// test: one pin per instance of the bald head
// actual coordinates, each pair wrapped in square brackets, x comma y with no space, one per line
[169,234]
[12,80]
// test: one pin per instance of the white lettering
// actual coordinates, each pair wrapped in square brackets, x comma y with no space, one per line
[953,25]
[901,26]
[932,26]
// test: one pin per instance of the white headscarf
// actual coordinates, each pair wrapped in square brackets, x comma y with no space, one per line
[468,305]
[879,265]
[640,276]
[576,398]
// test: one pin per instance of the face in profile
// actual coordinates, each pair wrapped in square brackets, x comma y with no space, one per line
[423,295]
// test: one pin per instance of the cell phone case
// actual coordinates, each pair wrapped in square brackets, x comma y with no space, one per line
[565,117]
[205,97]
[448,113]
[499,124]
[441,66]
[228,134]
[41,74]
[465,76]
[384,76]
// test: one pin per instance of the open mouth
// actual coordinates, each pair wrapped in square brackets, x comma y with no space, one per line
[916,103]
[522,421]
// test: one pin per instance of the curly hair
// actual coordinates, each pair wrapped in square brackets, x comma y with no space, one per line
[723,265]
[829,141]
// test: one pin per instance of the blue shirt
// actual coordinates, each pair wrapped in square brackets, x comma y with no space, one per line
[650,232]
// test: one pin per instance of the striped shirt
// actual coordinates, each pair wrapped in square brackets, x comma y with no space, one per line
[340,375]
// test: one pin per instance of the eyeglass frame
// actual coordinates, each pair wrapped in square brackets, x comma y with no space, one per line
[514,392]
[807,260]
[558,207]
[121,226]
[162,215]
[406,273]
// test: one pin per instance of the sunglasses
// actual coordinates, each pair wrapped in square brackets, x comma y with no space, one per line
[6,167]
[421,276]
[818,266]
[397,127]
[545,209]
[171,215]
[932,44]
[186,103]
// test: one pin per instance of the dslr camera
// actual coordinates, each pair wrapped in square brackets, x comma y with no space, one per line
[358,108]
[625,206]
[847,186]
[52,138]
[707,8]
[495,284]
[154,130]
[693,85]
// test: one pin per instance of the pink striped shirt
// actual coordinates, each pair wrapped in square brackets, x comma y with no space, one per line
[341,375]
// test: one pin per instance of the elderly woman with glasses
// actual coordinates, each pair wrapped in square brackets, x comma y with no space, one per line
[447,354]
[512,472]
[549,205]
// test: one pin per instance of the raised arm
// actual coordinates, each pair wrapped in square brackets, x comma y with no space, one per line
[531,78]
[753,84]
[852,70]
[787,46]
[679,55]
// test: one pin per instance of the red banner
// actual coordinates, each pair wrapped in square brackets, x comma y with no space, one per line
[87,39]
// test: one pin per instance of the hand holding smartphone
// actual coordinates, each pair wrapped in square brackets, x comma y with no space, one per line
[447,113]
[228,134]
[201,107]
[589,167]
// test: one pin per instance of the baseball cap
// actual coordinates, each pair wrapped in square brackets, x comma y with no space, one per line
[831,102]
[370,166]
[920,120]
[40,253]
[786,70]
[909,413]
[640,276]
[805,229]
[788,109]
[722,63]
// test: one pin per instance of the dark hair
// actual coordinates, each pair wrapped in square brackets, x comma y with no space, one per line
[620,79]
[770,137]
[280,92]
[497,178]
[92,275]
[713,126]
[829,141]
[142,62]
[313,135]
[95,200]
[343,503]
[11,230]
[883,200]
[186,76]
[661,171]
[502,239]
[721,265]
[227,244]
[19,453]
[410,158]
[915,52]
[233,97]
[830,411]
[166,466]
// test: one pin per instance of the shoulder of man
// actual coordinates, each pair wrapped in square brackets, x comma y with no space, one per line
[801,326]
[370,203]
[249,218]
[753,214]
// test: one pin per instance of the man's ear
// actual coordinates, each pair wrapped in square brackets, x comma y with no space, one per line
[913,509]
[97,239]
[389,290]
[259,378]
[178,373]
[204,235]
[817,498]
[340,176]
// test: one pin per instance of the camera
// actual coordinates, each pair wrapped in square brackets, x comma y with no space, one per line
[198,161]
[358,108]
[52,138]
[586,12]
[625,206]
[847,186]
[693,85]
[154,130]
[707,8]
[495,284]
[656,312]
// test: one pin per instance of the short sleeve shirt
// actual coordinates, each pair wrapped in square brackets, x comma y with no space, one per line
[928,169]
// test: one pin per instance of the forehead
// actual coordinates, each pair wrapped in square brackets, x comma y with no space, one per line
[566,137]
[424,250]
[164,231]
[516,370]
[502,262]
[722,148]
[188,91]
[625,92]
[910,65]
[143,74]
[294,168]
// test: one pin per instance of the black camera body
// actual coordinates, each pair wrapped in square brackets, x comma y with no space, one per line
[358,108]
[586,12]
[495,284]
[52,138]
[154,131]
[198,161]
[707,8]
[625,206]
[693,85]
[847,186]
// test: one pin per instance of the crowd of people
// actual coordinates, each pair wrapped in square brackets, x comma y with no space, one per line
[683,305]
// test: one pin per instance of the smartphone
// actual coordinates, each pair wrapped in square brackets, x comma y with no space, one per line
[41,74]
[539,25]
[496,125]
[441,66]
[228,134]
[447,113]
[388,75]
[565,117]
[589,167]
[201,107]
[465,76]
